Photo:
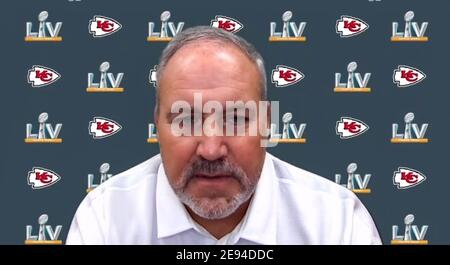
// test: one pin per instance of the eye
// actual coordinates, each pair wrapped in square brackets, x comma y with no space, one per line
[237,120]
[182,120]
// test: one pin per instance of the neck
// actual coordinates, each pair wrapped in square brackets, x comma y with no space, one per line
[220,227]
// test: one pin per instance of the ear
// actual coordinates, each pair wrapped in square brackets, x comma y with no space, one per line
[269,118]
[156,116]
[264,118]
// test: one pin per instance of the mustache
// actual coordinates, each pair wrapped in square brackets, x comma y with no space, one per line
[200,166]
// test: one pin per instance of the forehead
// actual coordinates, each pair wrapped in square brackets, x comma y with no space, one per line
[207,67]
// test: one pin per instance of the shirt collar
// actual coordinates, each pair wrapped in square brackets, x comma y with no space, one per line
[259,223]
[171,216]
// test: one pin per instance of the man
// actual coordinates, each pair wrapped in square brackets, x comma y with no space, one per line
[216,189]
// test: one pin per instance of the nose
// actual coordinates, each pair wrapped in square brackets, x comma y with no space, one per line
[212,148]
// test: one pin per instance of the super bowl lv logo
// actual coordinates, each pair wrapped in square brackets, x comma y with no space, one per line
[405,76]
[166,27]
[412,235]
[104,176]
[39,178]
[227,23]
[412,132]
[285,76]
[405,178]
[46,235]
[412,31]
[39,76]
[348,127]
[101,26]
[290,30]
[290,134]
[101,127]
[348,26]
[152,134]
[46,30]
[46,132]
[361,84]
[354,178]
[108,81]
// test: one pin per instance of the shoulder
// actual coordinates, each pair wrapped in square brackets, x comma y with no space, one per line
[291,177]
[318,207]
[120,191]
[105,212]
[131,178]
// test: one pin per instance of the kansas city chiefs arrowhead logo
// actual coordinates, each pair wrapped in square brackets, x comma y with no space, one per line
[100,26]
[102,127]
[405,178]
[407,76]
[348,26]
[226,23]
[349,127]
[39,178]
[152,75]
[285,76]
[40,75]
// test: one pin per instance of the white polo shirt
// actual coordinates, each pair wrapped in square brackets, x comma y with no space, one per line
[290,206]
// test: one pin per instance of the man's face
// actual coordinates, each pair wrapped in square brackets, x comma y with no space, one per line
[212,175]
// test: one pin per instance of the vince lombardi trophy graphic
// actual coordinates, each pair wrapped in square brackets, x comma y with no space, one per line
[287,117]
[286,17]
[409,219]
[42,221]
[104,67]
[408,18]
[104,168]
[42,17]
[351,67]
[351,169]
[409,117]
[165,16]
[43,117]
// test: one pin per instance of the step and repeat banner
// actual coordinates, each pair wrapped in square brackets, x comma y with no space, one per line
[362,89]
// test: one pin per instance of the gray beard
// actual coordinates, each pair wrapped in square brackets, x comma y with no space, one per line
[217,208]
